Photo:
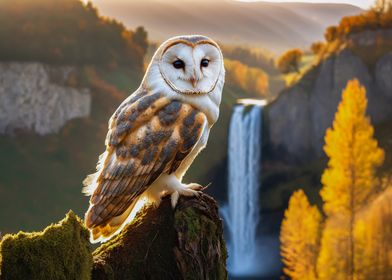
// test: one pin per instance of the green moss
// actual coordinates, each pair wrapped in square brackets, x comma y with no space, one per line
[142,250]
[189,220]
[61,251]
[201,247]
[162,243]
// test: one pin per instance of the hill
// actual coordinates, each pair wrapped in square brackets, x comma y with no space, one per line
[258,24]
[54,117]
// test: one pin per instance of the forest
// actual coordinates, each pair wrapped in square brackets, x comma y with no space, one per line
[67,32]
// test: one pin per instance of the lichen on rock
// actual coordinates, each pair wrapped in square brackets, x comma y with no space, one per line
[61,251]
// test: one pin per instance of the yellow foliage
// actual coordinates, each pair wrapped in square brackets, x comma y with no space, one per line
[348,182]
[356,242]
[373,239]
[250,79]
[353,154]
[380,16]
[299,236]
[333,262]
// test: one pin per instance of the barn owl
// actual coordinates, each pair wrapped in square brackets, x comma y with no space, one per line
[156,133]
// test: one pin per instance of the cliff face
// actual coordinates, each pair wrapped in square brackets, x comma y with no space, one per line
[35,97]
[298,119]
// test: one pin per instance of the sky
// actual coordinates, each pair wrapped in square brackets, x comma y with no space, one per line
[364,4]
[360,3]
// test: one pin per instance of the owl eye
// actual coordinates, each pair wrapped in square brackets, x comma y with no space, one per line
[179,64]
[204,62]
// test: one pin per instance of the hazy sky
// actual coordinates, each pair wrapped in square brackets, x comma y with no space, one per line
[360,3]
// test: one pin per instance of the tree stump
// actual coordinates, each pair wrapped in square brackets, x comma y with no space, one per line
[162,243]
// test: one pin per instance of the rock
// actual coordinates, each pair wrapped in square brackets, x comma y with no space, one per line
[369,38]
[61,251]
[31,100]
[162,243]
[299,118]
[383,74]
[289,120]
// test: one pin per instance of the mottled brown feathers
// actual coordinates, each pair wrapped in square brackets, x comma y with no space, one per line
[148,135]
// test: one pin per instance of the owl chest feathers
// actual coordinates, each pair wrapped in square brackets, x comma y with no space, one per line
[185,119]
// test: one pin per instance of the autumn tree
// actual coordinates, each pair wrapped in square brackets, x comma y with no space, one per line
[140,38]
[350,178]
[299,236]
[331,33]
[382,6]
[332,261]
[316,47]
[289,61]
[250,79]
[373,236]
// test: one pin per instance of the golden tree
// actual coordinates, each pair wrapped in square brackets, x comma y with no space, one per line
[299,236]
[373,239]
[332,259]
[250,79]
[382,6]
[289,61]
[354,156]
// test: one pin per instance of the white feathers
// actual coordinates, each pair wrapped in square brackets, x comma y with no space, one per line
[163,77]
[90,183]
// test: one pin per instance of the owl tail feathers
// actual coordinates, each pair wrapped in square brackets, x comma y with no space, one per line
[102,232]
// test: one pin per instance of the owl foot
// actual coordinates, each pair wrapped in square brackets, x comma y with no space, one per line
[195,187]
[185,190]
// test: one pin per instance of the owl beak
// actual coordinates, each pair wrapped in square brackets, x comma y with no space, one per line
[193,81]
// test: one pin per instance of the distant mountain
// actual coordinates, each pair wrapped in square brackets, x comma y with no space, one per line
[274,26]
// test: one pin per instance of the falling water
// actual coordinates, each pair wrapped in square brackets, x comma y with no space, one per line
[242,212]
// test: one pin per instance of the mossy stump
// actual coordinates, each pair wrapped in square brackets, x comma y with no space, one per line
[162,243]
[60,252]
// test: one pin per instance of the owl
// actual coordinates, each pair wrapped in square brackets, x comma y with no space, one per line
[156,133]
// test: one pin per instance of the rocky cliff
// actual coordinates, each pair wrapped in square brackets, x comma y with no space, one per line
[35,97]
[298,119]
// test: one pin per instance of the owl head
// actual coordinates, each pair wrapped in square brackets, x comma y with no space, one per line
[189,65]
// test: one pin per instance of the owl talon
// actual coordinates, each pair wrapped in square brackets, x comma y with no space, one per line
[195,187]
[174,199]
[189,192]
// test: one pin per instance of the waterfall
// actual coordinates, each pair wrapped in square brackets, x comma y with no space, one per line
[242,211]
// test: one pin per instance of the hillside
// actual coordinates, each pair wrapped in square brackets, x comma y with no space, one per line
[257,24]
[53,117]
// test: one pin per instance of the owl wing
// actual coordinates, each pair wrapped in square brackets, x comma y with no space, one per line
[147,137]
